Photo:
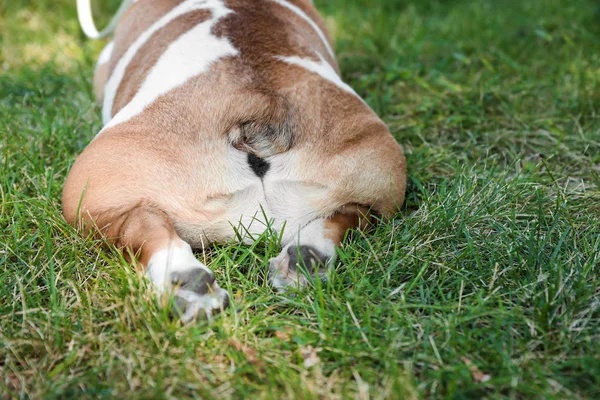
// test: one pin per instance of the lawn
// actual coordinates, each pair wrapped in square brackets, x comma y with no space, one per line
[486,284]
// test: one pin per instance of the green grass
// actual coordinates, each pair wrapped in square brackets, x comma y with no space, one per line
[492,266]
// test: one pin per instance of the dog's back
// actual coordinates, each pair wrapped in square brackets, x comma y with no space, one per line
[188,37]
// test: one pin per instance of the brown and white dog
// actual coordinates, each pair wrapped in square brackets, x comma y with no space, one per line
[225,117]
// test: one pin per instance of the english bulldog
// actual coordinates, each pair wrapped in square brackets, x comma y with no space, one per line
[224,119]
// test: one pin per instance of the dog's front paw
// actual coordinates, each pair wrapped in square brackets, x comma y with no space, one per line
[197,295]
[297,266]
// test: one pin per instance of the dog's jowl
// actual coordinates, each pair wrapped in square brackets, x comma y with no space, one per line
[222,114]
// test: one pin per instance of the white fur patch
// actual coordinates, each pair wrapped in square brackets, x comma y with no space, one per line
[177,258]
[105,54]
[290,197]
[117,76]
[322,68]
[313,235]
[244,208]
[188,56]
[312,23]
[282,201]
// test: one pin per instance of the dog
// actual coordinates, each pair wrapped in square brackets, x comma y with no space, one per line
[224,119]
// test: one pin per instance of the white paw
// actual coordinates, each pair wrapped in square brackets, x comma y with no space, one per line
[297,266]
[192,306]
[197,294]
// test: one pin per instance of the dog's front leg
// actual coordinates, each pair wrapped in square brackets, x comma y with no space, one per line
[312,251]
[169,261]
[197,294]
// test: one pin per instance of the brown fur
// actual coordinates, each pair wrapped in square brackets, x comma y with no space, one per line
[147,56]
[139,17]
[346,218]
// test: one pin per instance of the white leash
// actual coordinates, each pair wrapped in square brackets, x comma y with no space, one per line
[86,20]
